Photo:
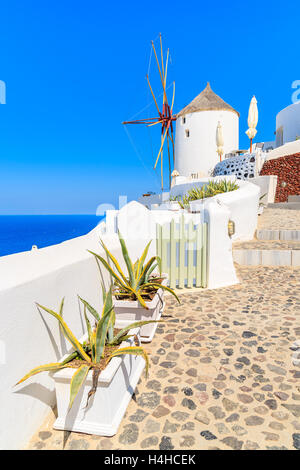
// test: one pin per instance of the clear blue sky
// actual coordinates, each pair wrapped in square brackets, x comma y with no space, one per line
[75,70]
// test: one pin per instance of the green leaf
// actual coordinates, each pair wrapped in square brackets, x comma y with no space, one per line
[142,260]
[70,358]
[136,350]
[160,286]
[68,333]
[89,331]
[44,368]
[141,279]
[90,309]
[127,260]
[61,307]
[108,304]
[101,333]
[114,260]
[137,324]
[111,271]
[147,276]
[77,381]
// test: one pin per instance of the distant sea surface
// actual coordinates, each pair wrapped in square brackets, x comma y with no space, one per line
[19,232]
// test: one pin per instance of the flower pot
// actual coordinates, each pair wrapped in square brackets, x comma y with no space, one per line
[128,312]
[107,406]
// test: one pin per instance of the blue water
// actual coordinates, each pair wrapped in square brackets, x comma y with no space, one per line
[20,232]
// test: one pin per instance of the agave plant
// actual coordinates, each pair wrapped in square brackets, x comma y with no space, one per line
[139,281]
[89,353]
[211,189]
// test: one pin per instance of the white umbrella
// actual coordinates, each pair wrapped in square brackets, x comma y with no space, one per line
[252,121]
[174,175]
[220,141]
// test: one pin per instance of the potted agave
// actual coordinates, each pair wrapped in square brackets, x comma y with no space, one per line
[95,382]
[139,293]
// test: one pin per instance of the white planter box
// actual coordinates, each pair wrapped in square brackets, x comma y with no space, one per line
[197,205]
[128,312]
[106,408]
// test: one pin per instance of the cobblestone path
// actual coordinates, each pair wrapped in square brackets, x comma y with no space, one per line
[221,374]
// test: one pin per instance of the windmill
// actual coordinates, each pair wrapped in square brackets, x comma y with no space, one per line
[165,116]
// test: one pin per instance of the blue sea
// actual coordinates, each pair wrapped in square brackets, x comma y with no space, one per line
[19,232]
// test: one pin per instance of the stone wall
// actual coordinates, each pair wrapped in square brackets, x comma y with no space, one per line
[288,171]
[242,167]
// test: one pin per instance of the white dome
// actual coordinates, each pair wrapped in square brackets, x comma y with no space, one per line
[288,124]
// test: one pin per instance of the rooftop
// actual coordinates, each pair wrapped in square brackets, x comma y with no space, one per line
[206,101]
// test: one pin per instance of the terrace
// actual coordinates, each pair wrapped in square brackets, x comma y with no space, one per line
[221,374]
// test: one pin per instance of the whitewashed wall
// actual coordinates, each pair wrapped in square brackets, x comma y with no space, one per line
[267,185]
[29,338]
[242,203]
[289,119]
[135,222]
[198,152]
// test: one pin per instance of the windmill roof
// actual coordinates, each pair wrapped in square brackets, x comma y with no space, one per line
[206,101]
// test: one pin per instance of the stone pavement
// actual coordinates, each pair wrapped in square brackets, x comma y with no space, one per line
[279,219]
[221,374]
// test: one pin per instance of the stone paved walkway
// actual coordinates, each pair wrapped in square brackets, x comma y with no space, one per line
[221,374]
[279,219]
[267,245]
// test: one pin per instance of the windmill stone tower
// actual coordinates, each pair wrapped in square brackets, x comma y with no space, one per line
[196,127]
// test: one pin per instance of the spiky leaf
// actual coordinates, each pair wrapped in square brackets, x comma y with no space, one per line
[127,260]
[114,261]
[44,368]
[101,333]
[77,382]
[90,309]
[117,278]
[138,324]
[142,260]
[68,333]
[160,286]
[135,350]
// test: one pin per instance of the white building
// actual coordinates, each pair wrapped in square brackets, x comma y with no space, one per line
[196,127]
[288,124]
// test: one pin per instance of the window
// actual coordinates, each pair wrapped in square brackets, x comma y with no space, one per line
[183,120]
[187,133]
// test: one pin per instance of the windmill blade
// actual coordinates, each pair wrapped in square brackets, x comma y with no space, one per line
[173,145]
[165,76]
[153,95]
[161,147]
[154,123]
[173,97]
[157,61]
[160,72]
[162,165]
[162,56]
[169,159]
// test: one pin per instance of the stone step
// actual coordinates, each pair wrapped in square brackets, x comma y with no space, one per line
[294,198]
[267,253]
[285,205]
[284,235]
